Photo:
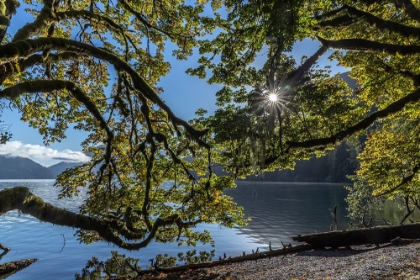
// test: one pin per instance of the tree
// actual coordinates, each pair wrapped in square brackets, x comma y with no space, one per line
[94,64]
[377,40]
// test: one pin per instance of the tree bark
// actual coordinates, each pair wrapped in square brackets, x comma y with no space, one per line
[10,268]
[374,235]
[20,198]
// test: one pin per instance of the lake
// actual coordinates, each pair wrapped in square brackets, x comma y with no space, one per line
[278,211]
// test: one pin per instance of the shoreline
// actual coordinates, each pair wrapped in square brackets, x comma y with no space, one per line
[360,262]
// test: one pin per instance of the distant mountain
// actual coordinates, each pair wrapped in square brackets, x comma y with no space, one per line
[60,167]
[351,82]
[22,168]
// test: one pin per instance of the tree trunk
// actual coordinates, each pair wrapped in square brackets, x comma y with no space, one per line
[375,235]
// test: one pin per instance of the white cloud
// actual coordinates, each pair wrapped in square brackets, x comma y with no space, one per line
[18,149]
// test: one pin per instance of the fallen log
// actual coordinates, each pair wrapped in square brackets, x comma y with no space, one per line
[375,235]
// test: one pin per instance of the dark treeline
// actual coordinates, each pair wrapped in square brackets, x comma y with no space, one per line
[333,167]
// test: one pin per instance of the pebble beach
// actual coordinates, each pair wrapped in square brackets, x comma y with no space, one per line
[362,262]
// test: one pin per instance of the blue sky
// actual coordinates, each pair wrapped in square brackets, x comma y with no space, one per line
[183,93]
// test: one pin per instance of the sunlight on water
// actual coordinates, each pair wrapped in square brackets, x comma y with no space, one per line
[278,211]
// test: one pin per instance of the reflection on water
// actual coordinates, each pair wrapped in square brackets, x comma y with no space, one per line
[30,238]
[278,211]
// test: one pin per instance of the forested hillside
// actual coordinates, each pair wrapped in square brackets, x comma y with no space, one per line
[22,168]
[333,168]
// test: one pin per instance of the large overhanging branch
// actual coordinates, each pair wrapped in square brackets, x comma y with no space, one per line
[20,198]
[403,182]
[365,123]
[15,91]
[25,48]
[366,45]
[11,68]
[344,20]
[139,17]
[49,86]
[40,22]
[7,9]
[378,22]
[297,75]
[409,8]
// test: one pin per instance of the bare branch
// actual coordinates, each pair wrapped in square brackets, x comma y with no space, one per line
[409,211]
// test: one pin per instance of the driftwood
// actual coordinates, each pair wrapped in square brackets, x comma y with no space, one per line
[374,235]
[10,268]
[403,241]
[242,258]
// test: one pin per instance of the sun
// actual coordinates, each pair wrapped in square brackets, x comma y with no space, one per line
[272,97]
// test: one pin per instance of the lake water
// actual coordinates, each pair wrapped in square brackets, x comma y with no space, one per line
[278,211]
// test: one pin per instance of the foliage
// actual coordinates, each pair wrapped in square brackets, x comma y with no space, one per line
[92,66]
[377,40]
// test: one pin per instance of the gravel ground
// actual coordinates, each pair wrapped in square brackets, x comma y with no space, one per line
[385,262]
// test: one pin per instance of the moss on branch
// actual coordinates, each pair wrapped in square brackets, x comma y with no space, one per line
[20,198]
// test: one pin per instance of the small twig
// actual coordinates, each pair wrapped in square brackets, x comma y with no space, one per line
[409,211]
[387,223]
[4,248]
[334,215]
[364,223]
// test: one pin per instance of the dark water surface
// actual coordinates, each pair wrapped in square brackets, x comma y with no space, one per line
[278,210]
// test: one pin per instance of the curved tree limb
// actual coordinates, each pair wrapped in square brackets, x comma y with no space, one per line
[48,86]
[354,15]
[41,22]
[7,10]
[404,181]
[365,123]
[25,48]
[344,20]
[367,45]
[301,70]
[10,68]
[20,198]
[409,8]
[139,17]
[382,24]
[52,85]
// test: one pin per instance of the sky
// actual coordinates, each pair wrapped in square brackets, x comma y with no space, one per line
[183,93]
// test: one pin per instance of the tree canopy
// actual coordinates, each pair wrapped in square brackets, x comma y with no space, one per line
[94,65]
[376,40]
